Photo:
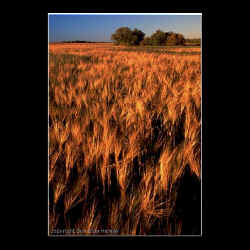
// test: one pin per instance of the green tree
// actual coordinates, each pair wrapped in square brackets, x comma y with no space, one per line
[126,36]
[159,38]
[122,35]
[138,36]
[175,39]
[180,40]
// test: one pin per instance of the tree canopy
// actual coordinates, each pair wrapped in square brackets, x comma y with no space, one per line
[126,36]
[175,39]
[159,38]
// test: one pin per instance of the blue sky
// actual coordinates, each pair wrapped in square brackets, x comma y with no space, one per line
[100,27]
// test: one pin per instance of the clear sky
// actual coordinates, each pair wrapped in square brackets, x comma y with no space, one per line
[100,27]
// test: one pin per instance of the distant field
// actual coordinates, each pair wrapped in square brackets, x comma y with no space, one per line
[71,47]
[124,140]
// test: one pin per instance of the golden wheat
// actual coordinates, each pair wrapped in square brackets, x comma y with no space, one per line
[124,127]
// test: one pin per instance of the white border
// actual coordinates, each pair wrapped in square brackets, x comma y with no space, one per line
[184,14]
[130,14]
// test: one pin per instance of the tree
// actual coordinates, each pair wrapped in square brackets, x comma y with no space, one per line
[180,40]
[175,39]
[138,36]
[122,35]
[126,36]
[159,38]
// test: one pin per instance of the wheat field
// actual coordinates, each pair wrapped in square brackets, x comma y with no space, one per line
[124,140]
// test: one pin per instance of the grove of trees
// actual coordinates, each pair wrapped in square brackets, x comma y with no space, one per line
[126,36]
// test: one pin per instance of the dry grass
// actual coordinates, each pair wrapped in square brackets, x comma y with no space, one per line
[124,128]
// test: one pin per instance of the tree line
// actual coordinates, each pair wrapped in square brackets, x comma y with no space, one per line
[126,36]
